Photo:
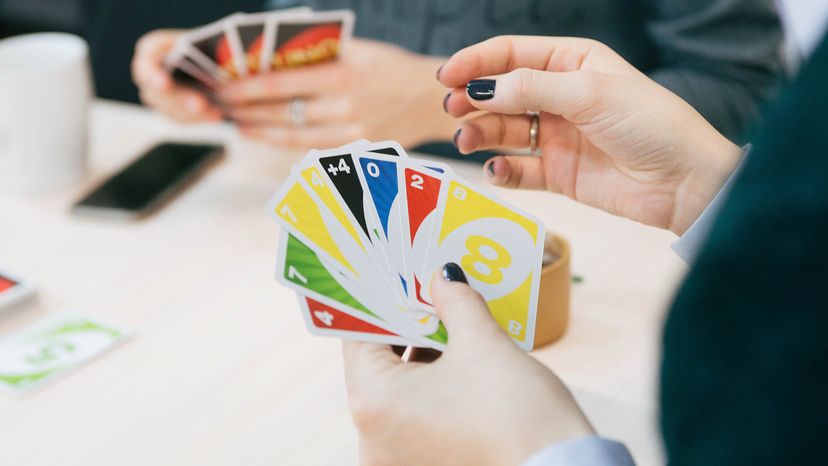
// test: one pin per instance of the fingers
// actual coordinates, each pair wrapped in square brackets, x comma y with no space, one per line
[148,61]
[491,130]
[506,53]
[464,313]
[574,95]
[516,171]
[284,84]
[316,111]
[182,104]
[305,137]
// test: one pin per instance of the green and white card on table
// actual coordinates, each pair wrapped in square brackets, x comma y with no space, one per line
[50,348]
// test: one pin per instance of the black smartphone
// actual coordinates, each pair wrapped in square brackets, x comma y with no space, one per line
[149,181]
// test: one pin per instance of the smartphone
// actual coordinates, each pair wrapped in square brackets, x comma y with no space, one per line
[150,181]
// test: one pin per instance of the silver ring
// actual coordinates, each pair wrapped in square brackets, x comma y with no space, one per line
[296,112]
[533,133]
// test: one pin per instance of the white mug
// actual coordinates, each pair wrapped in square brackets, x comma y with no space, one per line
[45,89]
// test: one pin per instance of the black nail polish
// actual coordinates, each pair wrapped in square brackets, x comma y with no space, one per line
[438,71]
[453,273]
[445,102]
[490,168]
[481,89]
[456,135]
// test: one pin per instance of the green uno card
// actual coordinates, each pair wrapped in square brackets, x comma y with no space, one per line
[50,348]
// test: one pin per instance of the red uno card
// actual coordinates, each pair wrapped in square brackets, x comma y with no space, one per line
[13,290]
[419,190]
[325,320]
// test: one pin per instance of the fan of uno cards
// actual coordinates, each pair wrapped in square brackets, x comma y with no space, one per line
[364,229]
[246,44]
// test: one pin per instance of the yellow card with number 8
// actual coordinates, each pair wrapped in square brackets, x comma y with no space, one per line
[499,248]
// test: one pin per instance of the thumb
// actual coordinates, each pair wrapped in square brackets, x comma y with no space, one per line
[462,310]
[525,90]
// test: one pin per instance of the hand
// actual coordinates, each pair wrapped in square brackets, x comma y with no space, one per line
[483,402]
[375,91]
[156,86]
[610,137]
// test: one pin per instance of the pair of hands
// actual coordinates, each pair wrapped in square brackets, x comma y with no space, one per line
[611,138]
[375,91]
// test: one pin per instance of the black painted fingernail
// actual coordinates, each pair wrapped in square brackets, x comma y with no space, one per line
[445,102]
[490,168]
[457,135]
[481,89]
[453,273]
[439,70]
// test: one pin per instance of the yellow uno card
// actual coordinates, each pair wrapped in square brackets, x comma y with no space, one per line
[499,248]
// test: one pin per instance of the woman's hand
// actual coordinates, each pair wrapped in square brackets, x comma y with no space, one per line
[610,137]
[483,402]
[156,86]
[375,91]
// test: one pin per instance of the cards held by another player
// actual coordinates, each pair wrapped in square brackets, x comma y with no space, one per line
[294,78]
[364,229]
[245,44]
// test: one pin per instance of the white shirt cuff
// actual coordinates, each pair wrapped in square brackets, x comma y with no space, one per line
[587,451]
[691,242]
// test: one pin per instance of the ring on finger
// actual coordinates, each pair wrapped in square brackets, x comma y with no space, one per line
[296,112]
[533,133]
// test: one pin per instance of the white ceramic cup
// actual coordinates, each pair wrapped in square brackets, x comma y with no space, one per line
[45,89]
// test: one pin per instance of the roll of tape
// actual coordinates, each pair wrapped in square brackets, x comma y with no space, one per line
[553,293]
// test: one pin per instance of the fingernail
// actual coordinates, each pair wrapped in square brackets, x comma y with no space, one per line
[490,168]
[453,273]
[481,89]
[439,70]
[457,135]
[445,102]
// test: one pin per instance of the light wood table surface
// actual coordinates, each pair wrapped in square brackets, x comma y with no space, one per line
[220,370]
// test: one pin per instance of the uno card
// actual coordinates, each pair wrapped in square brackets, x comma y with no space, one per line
[419,189]
[52,347]
[304,216]
[299,268]
[296,208]
[212,50]
[306,40]
[254,33]
[378,177]
[327,321]
[13,290]
[248,42]
[313,181]
[500,249]
[185,71]
[342,174]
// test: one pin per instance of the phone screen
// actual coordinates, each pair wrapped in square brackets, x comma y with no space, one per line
[151,178]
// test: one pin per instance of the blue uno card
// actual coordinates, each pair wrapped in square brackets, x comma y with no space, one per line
[378,174]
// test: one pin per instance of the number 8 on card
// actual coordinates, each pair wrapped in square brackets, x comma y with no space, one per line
[499,248]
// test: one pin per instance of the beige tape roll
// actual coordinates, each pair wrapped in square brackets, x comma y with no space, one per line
[553,293]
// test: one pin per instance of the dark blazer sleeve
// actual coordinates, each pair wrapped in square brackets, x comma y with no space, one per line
[744,377]
[722,56]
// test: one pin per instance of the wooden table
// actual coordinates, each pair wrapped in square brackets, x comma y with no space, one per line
[220,370]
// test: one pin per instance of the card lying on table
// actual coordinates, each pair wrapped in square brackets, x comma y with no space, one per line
[50,348]
[243,44]
[364,229]
[13,290]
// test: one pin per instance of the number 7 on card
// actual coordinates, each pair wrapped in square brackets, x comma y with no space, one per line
[499,248]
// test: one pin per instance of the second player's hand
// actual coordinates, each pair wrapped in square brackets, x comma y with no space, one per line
[375,91]
[156,86]
[610,137]
[483,402]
